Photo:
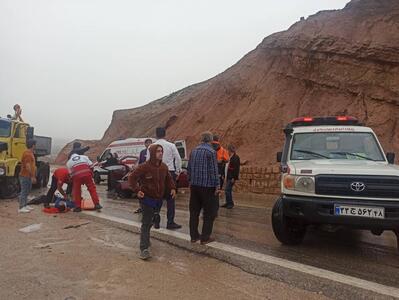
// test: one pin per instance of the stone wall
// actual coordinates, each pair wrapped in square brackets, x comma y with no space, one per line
[261,180]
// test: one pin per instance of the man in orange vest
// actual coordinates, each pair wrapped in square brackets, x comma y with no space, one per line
[222,157]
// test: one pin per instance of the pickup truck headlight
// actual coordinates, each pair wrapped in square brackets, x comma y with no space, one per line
[304,184]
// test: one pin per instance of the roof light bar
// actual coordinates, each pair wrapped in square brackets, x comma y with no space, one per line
[302,119]
[334,120]
[346,118]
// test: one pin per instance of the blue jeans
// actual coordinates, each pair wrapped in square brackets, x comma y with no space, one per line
[26,187]
[229,192]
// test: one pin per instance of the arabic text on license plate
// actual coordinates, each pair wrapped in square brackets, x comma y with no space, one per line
[359,211]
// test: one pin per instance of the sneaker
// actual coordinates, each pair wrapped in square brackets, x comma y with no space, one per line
[77,209]
[30,207]
[224,205]
[23,210]
[173,226]
[138,211]
[230,206]
[98,206]
[145,254]
[194,240]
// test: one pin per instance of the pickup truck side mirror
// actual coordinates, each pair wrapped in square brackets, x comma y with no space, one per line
[279,156]
[391,158]
[3,147]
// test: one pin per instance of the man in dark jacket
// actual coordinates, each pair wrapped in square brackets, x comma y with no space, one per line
[233,173]
[143,153]
[77,148]
[112,160]
[151,181]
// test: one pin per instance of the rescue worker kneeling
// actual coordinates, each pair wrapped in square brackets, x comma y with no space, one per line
[80,169]
[60,177]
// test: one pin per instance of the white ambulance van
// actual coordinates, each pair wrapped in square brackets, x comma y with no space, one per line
[128,152]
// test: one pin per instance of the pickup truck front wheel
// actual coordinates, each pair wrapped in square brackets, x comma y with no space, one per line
[287,230]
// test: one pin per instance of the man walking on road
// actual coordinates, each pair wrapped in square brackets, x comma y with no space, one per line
[27,176]
[171,158]
[233,172]
[204,188]
[151,181]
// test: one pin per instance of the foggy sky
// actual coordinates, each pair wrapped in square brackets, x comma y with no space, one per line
[71,63]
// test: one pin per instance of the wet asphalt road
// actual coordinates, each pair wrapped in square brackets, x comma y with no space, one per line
[248,225]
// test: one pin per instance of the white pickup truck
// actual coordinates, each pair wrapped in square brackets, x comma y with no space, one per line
[334,172]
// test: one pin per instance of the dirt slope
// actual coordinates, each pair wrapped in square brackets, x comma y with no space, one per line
[334,62]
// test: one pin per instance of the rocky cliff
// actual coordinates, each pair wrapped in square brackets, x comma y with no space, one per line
[333,63]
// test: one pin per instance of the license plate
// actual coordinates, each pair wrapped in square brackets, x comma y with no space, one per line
[359,211]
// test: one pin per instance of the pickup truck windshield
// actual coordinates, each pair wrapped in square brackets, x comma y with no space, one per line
[5,128]
[339,145]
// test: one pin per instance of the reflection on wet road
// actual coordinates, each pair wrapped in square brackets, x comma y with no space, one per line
[248,225]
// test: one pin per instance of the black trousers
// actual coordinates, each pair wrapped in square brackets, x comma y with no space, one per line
[109,181]
[53,189]
[202,198]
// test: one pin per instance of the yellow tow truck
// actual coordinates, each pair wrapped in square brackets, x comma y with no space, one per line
[13,137]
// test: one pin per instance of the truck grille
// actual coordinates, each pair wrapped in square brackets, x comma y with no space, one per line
[375,186]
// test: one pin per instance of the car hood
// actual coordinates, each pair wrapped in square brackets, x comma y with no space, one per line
[347,167]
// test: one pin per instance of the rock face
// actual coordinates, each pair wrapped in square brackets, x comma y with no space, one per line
[333,63]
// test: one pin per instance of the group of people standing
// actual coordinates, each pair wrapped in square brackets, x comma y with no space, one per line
[155,179]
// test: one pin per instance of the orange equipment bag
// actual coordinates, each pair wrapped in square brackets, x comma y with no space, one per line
[87,204]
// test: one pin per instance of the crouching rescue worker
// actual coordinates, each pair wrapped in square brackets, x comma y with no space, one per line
[60,177]
[79,167]
[152,182]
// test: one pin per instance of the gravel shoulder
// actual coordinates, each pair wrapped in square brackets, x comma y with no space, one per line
[94,261]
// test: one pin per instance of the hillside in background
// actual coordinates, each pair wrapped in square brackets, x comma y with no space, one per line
[333,63]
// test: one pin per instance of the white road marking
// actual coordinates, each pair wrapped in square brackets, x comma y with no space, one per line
[281,262]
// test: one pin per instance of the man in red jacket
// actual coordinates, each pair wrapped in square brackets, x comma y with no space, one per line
[151,181]
[60,177]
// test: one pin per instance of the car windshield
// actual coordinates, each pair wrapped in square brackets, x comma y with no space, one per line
[5,128]
[340,145]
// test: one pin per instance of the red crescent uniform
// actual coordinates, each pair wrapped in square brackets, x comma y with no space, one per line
[79,167]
